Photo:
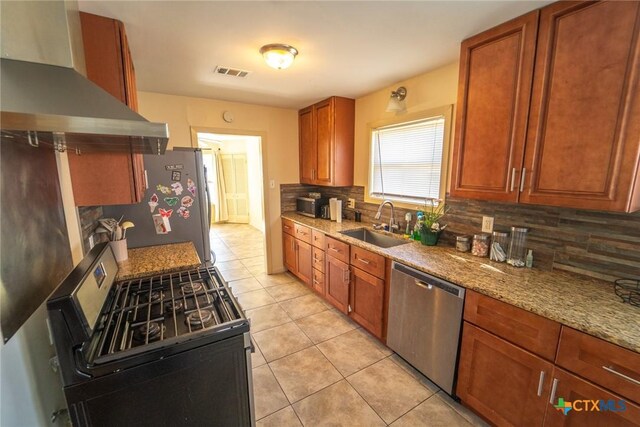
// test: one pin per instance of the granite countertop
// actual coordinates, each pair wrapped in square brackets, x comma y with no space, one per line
[154,260]
[585,304]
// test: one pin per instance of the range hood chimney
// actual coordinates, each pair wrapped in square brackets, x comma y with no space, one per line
[45,101]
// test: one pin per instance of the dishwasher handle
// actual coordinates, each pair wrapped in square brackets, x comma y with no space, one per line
[428,281]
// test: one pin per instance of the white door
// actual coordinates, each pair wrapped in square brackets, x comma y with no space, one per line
[234,167]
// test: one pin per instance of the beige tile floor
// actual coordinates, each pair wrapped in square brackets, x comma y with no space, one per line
[313,366]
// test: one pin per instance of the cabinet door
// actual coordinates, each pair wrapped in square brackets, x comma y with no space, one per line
[303,258]
[584,125]
[307,138]
[324,116]
[108,178]
[289,250]
[496,71]
[367,300]
[582,394]
[504,383]
[336,276]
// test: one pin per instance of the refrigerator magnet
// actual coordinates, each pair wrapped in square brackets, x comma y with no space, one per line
[177,188]
[191,186]
[184,212]
[176,176]
[161,224]
[171,201]
[163,189]
[187,201]
[153,202]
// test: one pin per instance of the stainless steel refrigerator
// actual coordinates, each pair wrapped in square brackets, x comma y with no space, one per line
[176,204]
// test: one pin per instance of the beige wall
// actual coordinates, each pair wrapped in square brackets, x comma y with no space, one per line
[278,128]
[425,92]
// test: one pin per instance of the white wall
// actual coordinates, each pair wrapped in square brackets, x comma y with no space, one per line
[254,166]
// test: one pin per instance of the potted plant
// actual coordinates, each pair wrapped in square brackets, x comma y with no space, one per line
[116,232]
[430,229]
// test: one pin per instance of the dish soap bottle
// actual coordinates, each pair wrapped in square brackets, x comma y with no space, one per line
[529,259]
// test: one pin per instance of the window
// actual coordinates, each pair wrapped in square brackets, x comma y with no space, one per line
[406,160]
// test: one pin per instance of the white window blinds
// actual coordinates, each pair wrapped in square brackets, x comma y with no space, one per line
[407,160]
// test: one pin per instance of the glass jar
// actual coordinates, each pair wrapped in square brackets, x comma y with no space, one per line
[499,246]
[480,246]
[518,247]
[463,243]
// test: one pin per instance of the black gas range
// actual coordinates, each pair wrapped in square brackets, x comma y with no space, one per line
[168,350]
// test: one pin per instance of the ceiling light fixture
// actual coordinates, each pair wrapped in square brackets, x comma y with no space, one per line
[278,56]
[396,101]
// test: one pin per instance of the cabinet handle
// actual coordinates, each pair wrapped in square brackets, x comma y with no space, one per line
[554,387]
[524,172]
[540,383]
[349,308]
[620,374]
[286,227]
[333,249]
[146,180]
[345,276]
[513,178]
[362,260]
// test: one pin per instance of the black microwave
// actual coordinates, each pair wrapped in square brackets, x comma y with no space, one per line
[309,206]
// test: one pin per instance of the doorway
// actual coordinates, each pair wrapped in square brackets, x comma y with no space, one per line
[235,179]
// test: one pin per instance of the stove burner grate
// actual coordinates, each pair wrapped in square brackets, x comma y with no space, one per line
[191,287]
[153,329]
[174,305]
[199,318]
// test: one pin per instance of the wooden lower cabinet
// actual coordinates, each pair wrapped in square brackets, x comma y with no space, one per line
[297,257]
[303,258]
[289,251]
[581,394]
[367,301]
[500,381]
[337,278]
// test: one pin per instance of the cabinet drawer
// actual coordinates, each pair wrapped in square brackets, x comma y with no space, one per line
[367,261]
[606,364]
[288,226]
[318,281]
[303,233]
[528,330]
[337,249]
[318,259]
[317,239]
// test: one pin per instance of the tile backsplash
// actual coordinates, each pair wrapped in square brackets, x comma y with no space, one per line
[599,244]
[89,216]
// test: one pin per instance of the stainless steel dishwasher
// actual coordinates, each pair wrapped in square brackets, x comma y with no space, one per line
[425,316]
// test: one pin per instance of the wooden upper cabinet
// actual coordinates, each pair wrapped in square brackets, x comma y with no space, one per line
[307,144]
[112,178]
[326,132]
[584,127]
[496,71]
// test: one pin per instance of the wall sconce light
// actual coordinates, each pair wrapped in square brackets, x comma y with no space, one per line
[396,101]
[278,56]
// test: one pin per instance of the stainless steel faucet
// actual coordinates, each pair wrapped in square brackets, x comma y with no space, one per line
[392,220]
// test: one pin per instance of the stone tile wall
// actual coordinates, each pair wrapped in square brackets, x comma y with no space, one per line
[604,245]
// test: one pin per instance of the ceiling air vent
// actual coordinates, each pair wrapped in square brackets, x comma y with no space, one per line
[228,71]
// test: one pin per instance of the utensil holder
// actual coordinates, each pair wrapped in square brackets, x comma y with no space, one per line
[119,248]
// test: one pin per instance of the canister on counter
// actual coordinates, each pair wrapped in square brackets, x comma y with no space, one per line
[480,246]
[499,246]
[518,247]
[463,243]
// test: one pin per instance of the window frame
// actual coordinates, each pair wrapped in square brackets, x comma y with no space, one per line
[446,112]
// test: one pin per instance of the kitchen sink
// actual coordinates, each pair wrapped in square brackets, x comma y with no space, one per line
[377,239]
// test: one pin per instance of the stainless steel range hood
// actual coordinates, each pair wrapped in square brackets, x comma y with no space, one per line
[45,101]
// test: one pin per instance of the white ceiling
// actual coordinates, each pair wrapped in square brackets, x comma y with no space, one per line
[346,48]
